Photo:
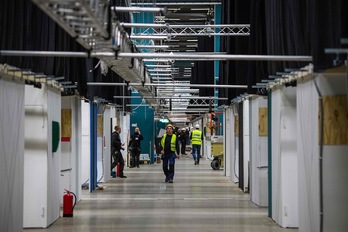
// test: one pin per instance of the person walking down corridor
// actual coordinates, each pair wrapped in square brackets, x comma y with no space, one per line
[169,147]
[183,140]
[134,147]
[196,141]
[116,147]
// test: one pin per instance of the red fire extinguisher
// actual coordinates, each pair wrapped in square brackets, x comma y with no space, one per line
[118,169]
[69,202]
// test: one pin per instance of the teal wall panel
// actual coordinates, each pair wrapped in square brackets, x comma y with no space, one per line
[143,117]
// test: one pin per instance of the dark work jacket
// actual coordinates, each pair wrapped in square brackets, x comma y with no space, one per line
[135,140]
[116,141]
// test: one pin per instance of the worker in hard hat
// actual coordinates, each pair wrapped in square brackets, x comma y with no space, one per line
[196,138]
[169,147]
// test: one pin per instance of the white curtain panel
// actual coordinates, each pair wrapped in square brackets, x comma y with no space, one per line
[11,154]
[308,156]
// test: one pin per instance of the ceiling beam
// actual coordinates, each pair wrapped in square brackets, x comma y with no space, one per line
[171,56]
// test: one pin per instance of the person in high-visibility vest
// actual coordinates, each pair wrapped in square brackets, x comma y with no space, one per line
[170,150]
[196,138]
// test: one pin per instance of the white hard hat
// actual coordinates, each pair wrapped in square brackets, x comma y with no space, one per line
[197,126]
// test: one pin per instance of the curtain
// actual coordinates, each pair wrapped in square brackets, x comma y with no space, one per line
[11,154]
[280,28]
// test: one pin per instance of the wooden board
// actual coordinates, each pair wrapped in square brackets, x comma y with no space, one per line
[263,119]
[66,123]
[236,125]
[100,125]
[335,120]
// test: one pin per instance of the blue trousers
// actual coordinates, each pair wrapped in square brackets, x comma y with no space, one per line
[168,165]
[196,149]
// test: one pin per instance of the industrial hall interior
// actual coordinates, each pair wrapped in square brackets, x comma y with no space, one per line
[173,115]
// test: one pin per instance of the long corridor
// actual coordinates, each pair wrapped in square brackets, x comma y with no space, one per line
[200,199]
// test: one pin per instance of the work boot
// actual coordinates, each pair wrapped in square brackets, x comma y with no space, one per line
[166,179]
[170,181]
[195,162]
[123,176]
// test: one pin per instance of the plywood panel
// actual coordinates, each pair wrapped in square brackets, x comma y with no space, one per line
[100,125]
[236,125]
[263,119]
[335,120]
[66,123]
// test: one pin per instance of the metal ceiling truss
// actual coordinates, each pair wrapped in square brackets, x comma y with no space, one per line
[87,21]
[171,31]
[93,23]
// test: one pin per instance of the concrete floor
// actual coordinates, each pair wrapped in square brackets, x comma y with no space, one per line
[200,199]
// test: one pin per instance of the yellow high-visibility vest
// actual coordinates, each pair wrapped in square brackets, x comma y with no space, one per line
[196,137]
[172,142]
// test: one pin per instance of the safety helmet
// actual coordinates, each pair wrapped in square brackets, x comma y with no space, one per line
[169,125]
[197,126]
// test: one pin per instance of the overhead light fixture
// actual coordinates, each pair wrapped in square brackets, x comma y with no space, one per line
[174,9]
[138,9]
[164,120]
[200,9]
[158,37]
[160,74]
[197,19]
[157,60]
[158,65]
[152,46]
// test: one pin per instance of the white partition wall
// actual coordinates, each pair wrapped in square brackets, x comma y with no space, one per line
[235,151]
[258,152]
[107,129]
[308,155]
[54,192]
[125,134]
[11,153]
[228,141]
[246,144]
[41,164]
[71,149]
[231,145]
[284,157]
[85,141]
[334,156]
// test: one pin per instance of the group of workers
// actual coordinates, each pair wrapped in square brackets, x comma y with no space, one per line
[169,147]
